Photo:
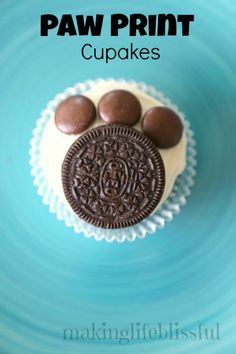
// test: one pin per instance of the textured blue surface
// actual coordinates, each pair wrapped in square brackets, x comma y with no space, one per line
[52,278]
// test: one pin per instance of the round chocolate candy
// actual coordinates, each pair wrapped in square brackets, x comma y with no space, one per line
[119,106]
[113,176]
[75,114]
[163,127]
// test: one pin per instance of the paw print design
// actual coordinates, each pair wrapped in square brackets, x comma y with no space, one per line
[112,175]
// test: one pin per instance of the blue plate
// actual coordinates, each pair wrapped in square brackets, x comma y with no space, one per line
[184,275]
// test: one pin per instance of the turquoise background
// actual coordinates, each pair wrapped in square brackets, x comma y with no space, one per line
[52,278]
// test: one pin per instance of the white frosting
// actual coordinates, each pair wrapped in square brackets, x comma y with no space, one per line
[54,144]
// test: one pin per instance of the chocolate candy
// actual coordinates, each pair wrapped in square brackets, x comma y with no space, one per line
[163,127]
[113,176]
[119,106]
[75,114]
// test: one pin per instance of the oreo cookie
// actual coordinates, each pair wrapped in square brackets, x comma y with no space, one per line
[113,176]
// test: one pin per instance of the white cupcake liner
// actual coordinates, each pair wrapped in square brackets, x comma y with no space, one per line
[149,225]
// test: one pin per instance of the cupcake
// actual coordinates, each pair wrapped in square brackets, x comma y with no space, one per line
[108,157]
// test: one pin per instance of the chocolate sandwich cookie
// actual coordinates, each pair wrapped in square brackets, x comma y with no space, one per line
[113,176]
